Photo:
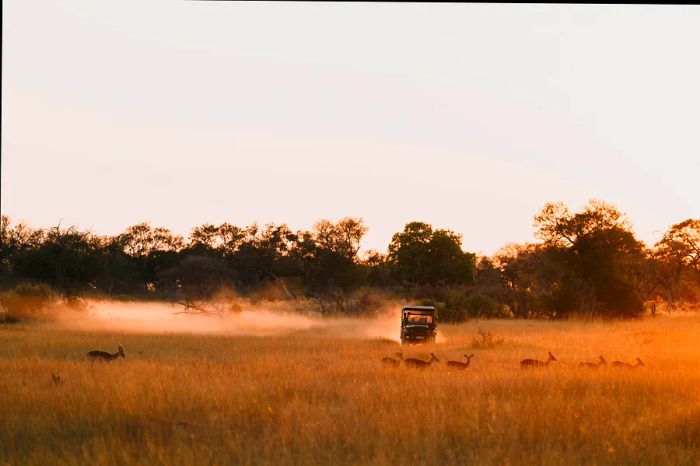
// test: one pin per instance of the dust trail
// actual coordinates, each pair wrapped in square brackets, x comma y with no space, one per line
[261,319]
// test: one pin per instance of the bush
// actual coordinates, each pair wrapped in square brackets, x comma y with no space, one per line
[457,304]
[486,340]
[454,314]
[480,305]
[27,301]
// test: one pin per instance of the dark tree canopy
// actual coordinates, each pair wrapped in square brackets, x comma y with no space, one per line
[598,247]
[423,256]
[342,237]
[676,260]
[681,244]
[588,262]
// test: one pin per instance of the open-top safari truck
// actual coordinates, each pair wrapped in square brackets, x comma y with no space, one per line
[418,324]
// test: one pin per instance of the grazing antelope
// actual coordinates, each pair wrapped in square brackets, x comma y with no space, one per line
[97,355]
[460,364]
[525,363]
[594,365]
[419,363]
[391,362]
[626,365]
[56,378]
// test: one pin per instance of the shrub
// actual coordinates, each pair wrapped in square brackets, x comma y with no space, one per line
[480,305]
[486,340]
[26,301]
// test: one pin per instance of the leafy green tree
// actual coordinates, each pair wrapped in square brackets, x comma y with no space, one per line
[518,272]
[15,240]
[409,253]
[422,256]
[681,244]
[219,240]
[332,277]
[204,239]
[531,275]
[331,267]
[677,257]
[378,268]
[142,239]
[489,280]
[118,273]
[263,255]
[67,260]
[342,237]
[597,247]
[197,278]
[151,250]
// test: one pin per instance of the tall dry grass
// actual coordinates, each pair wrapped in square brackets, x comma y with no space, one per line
[313,398]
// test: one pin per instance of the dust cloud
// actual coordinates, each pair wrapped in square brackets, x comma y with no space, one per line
[253,319]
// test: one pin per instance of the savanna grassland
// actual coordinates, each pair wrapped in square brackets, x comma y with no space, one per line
[314,397]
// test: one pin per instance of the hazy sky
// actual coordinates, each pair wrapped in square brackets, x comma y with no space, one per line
[469,117]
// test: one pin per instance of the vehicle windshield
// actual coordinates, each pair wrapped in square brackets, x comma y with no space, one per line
[419,318]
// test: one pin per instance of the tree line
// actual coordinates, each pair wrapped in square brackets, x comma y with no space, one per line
[585,262]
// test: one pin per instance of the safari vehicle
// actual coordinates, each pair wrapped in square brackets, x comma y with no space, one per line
[418,324]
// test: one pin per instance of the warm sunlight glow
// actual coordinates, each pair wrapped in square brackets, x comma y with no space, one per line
[467,116]
[349,233]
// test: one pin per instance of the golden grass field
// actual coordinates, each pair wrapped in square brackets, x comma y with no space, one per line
[312,397]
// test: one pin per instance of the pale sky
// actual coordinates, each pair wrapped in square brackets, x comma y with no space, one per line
[469,117]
